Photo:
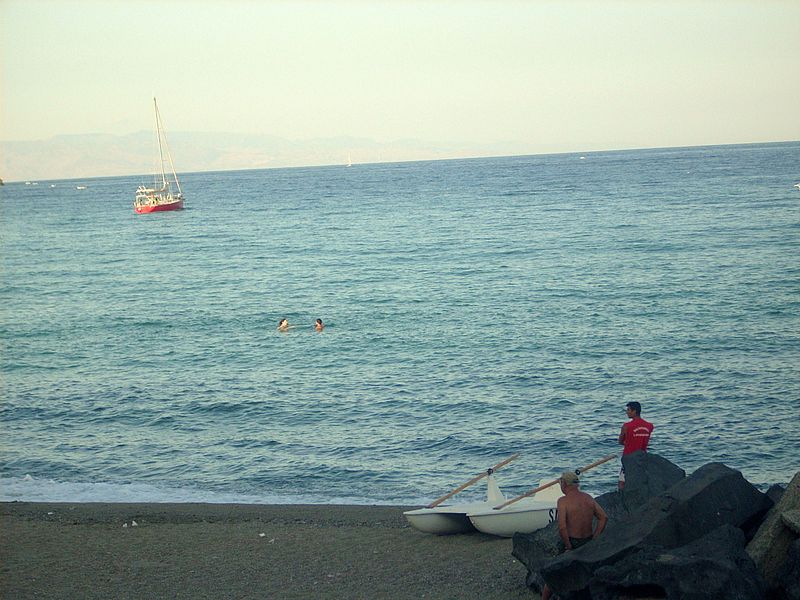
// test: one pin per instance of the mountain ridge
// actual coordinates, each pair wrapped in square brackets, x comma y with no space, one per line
[70,156]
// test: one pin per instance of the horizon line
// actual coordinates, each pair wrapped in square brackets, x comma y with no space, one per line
[390,162]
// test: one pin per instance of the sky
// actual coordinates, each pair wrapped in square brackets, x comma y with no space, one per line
[554,76]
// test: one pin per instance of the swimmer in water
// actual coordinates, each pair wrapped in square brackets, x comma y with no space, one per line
[318,325]
[283,325]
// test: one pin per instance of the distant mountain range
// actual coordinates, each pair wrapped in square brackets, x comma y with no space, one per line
[100,155]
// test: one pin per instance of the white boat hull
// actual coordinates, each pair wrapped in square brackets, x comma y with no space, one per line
[445,520]
[521,517]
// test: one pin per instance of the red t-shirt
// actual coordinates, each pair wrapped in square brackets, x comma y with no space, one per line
[637,434]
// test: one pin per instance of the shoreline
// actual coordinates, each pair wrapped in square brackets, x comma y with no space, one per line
[82,550]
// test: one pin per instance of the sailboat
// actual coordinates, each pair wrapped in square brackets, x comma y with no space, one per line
[161,196]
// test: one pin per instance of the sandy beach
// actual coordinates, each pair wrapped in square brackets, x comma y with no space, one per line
[54,550]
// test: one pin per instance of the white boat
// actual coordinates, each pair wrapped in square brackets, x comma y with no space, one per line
[449,519]
[525,516]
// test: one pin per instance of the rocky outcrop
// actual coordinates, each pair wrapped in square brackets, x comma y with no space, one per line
[713,496]
[770,547]
[536,549]
[714,566]
[775,492]
[786,584]
[647,475]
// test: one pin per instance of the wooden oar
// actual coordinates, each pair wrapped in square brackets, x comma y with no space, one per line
[555,481]
[473,480]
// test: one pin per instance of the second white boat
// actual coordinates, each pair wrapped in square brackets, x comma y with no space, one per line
[525,516]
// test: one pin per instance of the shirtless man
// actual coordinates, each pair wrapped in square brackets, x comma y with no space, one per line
[576,512]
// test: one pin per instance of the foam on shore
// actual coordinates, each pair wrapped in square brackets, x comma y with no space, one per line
[31,489]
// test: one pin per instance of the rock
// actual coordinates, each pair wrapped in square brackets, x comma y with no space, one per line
[787,580]
[613,505]
[791,519]
[714,566]
[770,546]
[647,475]
[535,549]
[775,492]
[712,496]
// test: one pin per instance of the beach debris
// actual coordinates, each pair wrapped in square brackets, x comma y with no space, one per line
[124,524]
[272,541]
[134,524]
[51,513]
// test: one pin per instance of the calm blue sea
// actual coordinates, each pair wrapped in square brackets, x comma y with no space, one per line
[474,308]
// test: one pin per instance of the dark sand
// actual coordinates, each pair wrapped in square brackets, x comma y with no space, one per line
[79,551]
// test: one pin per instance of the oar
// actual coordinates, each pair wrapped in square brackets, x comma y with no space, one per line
[473,480]
[555,481]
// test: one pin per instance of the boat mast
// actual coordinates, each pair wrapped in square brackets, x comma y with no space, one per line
[161,133]
[160,149]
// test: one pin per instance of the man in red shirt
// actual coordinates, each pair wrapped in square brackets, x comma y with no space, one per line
[635,434]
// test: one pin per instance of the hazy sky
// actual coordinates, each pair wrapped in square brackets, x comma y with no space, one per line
[566,75]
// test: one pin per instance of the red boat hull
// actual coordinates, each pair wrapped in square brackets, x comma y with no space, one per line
[158,207]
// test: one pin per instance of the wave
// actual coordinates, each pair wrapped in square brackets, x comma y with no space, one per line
[29,489]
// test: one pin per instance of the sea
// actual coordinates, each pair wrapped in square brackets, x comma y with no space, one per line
[474,309]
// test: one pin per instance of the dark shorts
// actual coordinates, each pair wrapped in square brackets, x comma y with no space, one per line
[578,542]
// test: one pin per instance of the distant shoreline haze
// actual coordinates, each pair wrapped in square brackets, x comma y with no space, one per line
[107,155]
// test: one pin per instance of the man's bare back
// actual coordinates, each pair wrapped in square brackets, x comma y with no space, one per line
[578,510]
[576,513]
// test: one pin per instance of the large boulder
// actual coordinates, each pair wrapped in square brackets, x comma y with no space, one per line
[786,584]
[713,566]
[770,546]
[791,520]
[775,492]
[647,475]
[712,496]
[536,549]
